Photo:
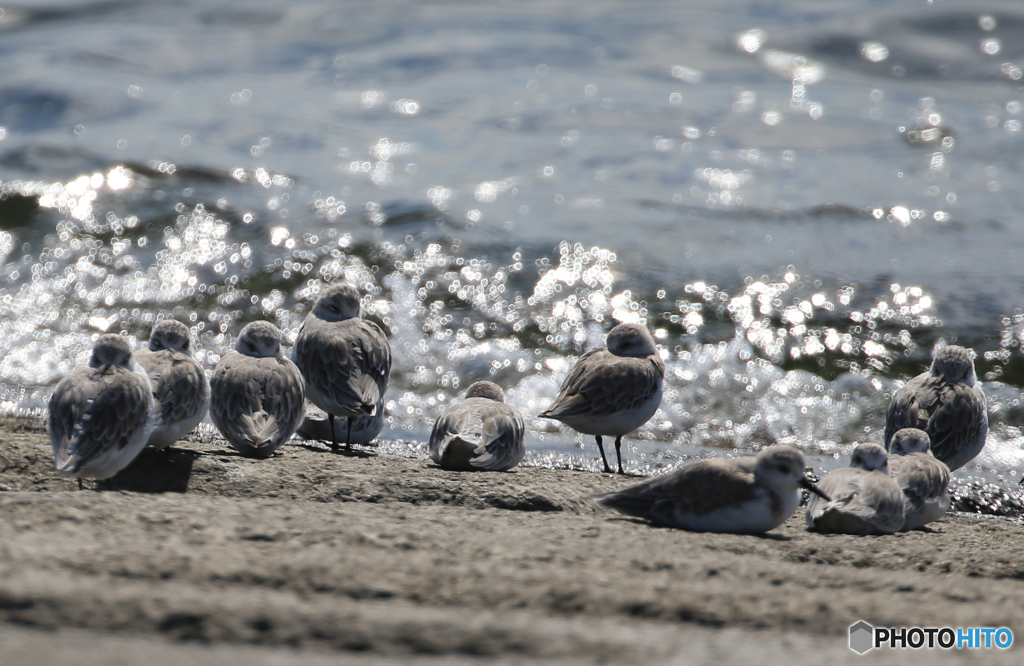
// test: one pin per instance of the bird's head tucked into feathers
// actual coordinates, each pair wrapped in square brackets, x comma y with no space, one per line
[870,457]
[259,339]
[171,334]
[337,303]
[484,389]
[631,340]
[111,349]
[910,440]
[955,364]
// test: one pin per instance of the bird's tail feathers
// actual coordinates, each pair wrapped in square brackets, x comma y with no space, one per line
[456,452]
[369,393]
[627,503]
[260,429]
[835,521]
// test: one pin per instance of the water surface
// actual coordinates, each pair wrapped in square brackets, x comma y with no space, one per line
[801,199]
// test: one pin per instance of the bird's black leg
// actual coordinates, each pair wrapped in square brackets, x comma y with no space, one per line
[618,452]
[348,437]
[600,447]
[80,484]
[334,440]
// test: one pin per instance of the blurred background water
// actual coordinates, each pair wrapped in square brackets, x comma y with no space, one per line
[801,199]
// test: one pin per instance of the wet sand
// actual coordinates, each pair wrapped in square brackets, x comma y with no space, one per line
[311,555]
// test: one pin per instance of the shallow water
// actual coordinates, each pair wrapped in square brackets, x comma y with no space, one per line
[800,200]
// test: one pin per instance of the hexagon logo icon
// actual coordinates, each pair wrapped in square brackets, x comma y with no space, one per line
[862,637]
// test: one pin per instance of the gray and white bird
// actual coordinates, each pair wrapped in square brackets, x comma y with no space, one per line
[365,427]
[923,478]
[346,360]
[181,392]
[746,495]
[257,397]
[865,499]
[946,402]
[479,433]
[101,414]
[612,390]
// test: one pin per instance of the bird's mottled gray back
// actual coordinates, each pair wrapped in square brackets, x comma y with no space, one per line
[260,339]
[485,389]
[478,433]
[171,334]
[257,402]
[180,391]
[603,382]
[101,414]
[951,411]
[345,360]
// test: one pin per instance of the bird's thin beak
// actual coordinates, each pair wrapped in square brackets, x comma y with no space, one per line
[806,483]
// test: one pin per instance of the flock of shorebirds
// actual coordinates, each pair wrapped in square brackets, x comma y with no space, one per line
[103,414]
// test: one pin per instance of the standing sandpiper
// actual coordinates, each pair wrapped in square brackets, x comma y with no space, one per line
[612,390]
[346,360]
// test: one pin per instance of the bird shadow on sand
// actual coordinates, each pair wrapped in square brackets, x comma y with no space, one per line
[320,446]
[166,471]
[434,465]
[656,526]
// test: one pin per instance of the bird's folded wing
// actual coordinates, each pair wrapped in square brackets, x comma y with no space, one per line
[501,444]
[284,394]
[602,383]
[110,416]
[912,405]
[180,390]
[958,420]
[697,489]
[921,477]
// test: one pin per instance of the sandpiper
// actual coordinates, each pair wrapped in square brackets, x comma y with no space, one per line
[479,433]
[365,427]
[746,495]
[346,360]
[923,478]
[181,394]
[612,390]
[947,403]
[865,499]
[257,398]
[101,414]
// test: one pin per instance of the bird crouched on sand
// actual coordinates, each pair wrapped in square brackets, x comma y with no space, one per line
[181,394]
[746,495]
[364,428]
[346,360]
[612,390]
[947,403]
[479,433]
[101,414]
[257,397]
[865,499]
[923,478]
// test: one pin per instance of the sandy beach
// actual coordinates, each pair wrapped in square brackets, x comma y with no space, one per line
[312,555]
